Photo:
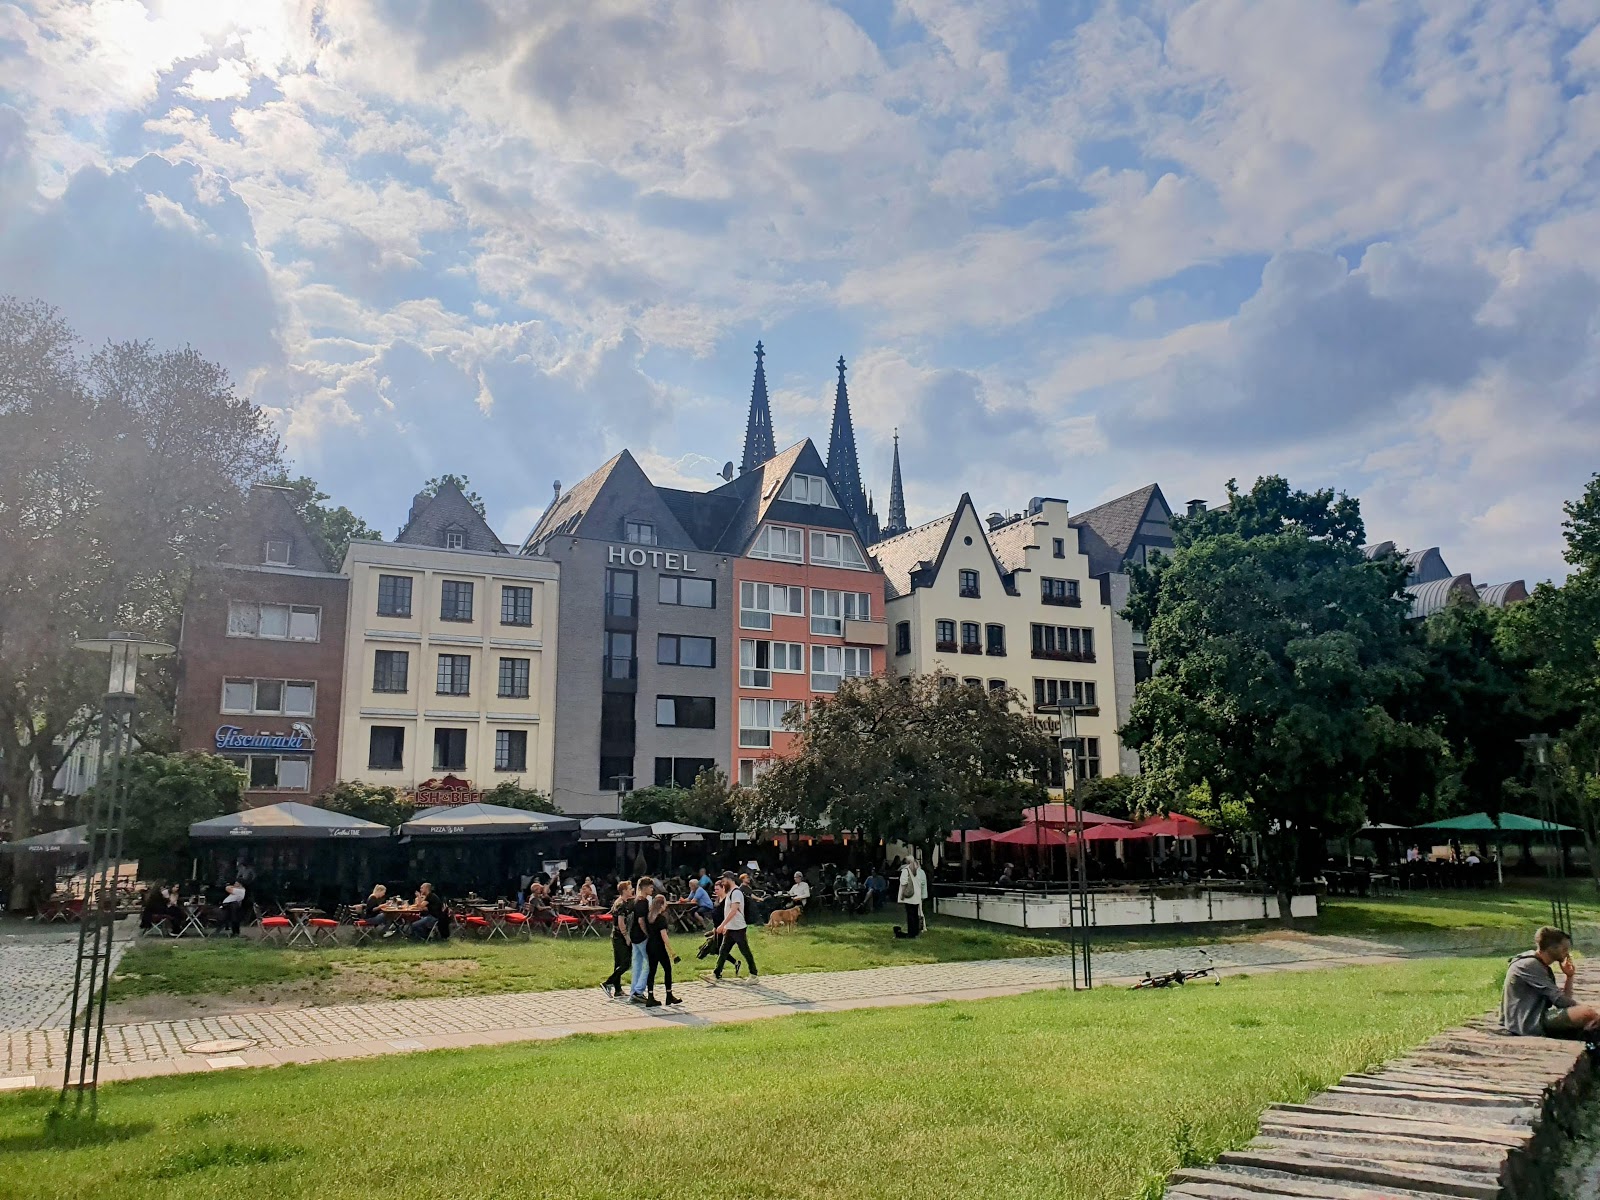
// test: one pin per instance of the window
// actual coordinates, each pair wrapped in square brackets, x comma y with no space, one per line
[274,622]
[681,772]
[691,593]
[1058,547]
[681,650]
[622,593]
[1063,642]
[273,772]
[616,772]
[780,542]
[455,675]
[831,664]
[973,682]
[640,533]
[809,489]
[394,595]
[1059,591]
[752,769]
[830,610]
[902,637]
[620,662]
[386,748]
[687,712]
[514,674]
[994,640]
[758,659]
[510,749]
[516,605]
[455,600]
[970,641]
[999,686]
[391,670]
[269,697]
[944,637]
[454,539]
[1086,757]
[1079,693]
[760,602]
[758,719]
[617,725]
[968,584]
[275,553]
[449,749]
[836,550]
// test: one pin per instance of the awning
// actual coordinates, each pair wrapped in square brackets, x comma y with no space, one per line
[1383,827]
[679,832]
[1174,825]
[289,821]
[610,829]
[1031,835]
[485,821]
[72,840]
[1482,822]
[972,836]
[1115,833]
[1066,815]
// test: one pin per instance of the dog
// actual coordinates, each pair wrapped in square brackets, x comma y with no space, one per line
[784,918]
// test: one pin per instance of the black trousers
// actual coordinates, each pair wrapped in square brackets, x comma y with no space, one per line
[232,914]
[739,938]
[658,957]
[621,960]
[913,919]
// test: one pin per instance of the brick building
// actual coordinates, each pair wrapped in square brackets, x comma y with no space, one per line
[261,654]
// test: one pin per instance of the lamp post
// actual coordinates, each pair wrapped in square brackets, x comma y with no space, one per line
[1066,714]
[108,809]
[1538,747]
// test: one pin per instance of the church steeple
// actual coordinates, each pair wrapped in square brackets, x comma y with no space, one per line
[758,444]
[897,496]
[844,470]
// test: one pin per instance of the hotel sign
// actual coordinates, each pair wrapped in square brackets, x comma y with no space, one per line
[299,739]
[638,556]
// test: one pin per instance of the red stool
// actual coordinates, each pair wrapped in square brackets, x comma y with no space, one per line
[273,929]
[519,922]
[480,924]
[563,923]
[363,930]
[324,929]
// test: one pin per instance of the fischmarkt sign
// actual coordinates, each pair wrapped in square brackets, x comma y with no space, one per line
[662,560]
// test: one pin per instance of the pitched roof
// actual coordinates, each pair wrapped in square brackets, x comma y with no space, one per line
[898,557]
[757,489]
[569,509]
[448,509]
[1012,540]
[1109,529]
[705,516]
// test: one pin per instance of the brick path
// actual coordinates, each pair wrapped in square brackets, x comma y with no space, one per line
[36,969]
[32,1057]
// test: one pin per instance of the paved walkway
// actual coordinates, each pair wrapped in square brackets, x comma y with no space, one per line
[32,1057]
[36,969]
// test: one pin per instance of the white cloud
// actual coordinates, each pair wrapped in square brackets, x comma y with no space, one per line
[228,80]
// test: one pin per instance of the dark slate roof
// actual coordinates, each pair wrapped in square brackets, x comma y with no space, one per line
[270,514]
[1109,530]
[898,557]
[448,509]
[569,509]
[705,516]
[757,490]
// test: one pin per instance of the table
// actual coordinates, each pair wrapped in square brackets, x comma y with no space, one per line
[681,912]
[495,914]
[586,914]
[192,913]
[300,927]
[844,899]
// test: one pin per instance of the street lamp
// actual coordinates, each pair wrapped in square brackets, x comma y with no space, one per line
[1066,714]
[1538,747]
[108,809]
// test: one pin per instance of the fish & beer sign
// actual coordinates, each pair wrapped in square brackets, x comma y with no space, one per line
[299,740]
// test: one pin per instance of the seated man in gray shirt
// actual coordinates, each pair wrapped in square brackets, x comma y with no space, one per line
[1533,1006]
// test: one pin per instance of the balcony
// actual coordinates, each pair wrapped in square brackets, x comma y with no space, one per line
[866,633]
[618,667]
[968,591]
[1081,656]
[947,647]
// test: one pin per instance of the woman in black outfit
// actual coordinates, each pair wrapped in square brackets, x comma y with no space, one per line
[621,949]
[658,948]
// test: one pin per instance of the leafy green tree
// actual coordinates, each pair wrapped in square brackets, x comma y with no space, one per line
[648,805]
[1278,649]
[904,758]
[333,529]
[370,802]
[1113,795]
[166,794]
[431,488]
[511,794]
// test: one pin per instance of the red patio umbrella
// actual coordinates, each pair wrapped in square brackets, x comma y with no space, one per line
[1174,825]
[1115,833]
[974,836]
[1065,814]
[1032,835]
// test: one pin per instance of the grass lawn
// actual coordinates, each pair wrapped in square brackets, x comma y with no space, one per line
[398,969]
[1515,909]
[1054,1094]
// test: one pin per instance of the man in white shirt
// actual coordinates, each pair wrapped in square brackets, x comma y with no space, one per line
[800,893]
[733,931]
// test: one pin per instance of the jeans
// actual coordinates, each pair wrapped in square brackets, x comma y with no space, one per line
[739,938]
[641,963]
[422,926]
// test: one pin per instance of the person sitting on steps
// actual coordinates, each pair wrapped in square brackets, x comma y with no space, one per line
[1533,1006]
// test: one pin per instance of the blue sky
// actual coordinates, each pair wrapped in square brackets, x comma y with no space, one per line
[1067,248]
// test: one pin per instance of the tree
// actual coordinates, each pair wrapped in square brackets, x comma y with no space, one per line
[707,804]
[510,793]
[370,802]
[333,529]
[904,758]
[1278,648]
[116,473]
[431,488]
[166,794]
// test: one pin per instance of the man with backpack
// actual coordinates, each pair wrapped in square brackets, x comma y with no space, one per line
[733,930]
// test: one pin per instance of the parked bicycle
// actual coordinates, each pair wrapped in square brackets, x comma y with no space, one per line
[1179,977]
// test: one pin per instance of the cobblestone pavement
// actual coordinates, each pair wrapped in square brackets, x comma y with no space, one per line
[276,1036]
[36,977]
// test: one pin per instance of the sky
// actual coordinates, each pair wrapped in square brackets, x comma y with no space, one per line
[1066,248]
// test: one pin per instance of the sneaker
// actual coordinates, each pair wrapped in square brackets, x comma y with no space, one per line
[652,1002]
[389,933]
[716,976]
[635,998]
[754,975]
[606,988]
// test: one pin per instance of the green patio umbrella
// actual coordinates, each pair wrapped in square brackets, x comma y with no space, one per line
[1482,822]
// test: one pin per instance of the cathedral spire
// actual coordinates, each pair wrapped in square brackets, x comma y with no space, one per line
[758,444]
[844,470]
[897,496]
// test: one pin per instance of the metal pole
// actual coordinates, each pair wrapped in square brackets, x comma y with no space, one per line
[1556,868]
[1082,898]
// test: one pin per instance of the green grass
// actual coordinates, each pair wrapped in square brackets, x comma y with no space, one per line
[1514,910]
[399,969]
[1086,1097]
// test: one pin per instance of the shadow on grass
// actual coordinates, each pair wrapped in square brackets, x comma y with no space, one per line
[65,1131]
[223,1154]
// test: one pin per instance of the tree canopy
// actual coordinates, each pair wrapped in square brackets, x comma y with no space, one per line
[166,794]
[707,804]
[333,529]
[431,488]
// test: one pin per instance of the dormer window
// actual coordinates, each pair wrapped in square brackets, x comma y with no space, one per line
[809,489]
[455,539]
[836,550]
[780,542]
[275,552]
[640,533]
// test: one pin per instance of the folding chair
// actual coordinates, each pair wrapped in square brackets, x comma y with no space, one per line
[275,929]
[322,931]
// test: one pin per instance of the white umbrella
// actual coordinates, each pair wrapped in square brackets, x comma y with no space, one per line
[679,832]
[610,829]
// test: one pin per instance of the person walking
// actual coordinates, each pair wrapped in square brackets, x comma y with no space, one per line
[658,949]
[621,948]
[733,930]
[911,892]
[639,937]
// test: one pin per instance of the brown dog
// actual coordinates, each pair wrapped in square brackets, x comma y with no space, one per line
[784,918]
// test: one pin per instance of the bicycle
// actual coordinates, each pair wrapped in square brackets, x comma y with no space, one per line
[1179,977]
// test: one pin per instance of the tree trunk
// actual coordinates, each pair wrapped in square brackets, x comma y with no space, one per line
[1283,869]
[16,779]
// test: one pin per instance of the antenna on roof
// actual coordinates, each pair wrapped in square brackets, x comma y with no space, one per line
[727,471]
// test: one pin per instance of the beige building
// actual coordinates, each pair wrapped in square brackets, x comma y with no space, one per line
[450,655]
[1008,603]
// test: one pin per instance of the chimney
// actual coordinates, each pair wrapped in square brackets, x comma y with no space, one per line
[1196,507]
[995,520]
[418,503]
[557,496]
